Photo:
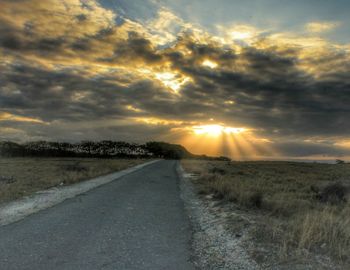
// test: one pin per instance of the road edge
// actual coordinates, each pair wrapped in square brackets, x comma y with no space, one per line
[213,247]
[21,208]
[183,188]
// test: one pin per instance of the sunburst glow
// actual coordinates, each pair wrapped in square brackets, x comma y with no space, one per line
[216,130]
[241,35]
[218,139]
[210,64]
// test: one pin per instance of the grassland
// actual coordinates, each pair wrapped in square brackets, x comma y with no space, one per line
[23,176]
[298,207]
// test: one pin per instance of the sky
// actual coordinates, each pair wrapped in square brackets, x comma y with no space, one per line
[253,79]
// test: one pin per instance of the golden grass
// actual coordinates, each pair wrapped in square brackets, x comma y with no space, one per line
[290,199]
[23,176]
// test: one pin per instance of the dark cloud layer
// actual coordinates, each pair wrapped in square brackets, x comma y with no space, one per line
[271,90]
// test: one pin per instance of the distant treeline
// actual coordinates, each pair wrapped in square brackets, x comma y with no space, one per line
[102,149]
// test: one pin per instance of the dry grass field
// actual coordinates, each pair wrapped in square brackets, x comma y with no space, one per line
[298,206]
[23,176]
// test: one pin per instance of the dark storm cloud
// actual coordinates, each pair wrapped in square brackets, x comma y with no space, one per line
[259,87]
[8,36]
[57,95]
[15,39]
[270,90]
[135,48]
[81,45]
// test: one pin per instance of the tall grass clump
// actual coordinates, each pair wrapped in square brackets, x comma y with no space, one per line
[324,230]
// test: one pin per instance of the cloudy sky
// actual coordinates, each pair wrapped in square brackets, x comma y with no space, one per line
[249,79]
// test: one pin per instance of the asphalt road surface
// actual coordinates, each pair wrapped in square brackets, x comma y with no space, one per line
[135,222]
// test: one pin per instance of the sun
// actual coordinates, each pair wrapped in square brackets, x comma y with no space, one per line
[216,138]
[210,64]
[213,130]
[238,35]
[216,130]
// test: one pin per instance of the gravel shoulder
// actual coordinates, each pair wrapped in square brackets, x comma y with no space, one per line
[214,247]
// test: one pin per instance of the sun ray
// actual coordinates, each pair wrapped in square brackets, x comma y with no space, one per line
[247,147]
[227,146]
[237,147]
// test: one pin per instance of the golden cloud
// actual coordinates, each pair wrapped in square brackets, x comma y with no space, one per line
[54,19]
[5,116]
[239,32]
[320,27]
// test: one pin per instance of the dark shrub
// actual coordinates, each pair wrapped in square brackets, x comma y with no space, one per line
[333,193]
[7,180]
[255,200]
[217,171]
[314,189]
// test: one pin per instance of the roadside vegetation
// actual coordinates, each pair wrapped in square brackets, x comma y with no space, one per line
[23,176]
[301,208]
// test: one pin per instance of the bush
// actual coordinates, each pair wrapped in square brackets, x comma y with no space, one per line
[255,200]
[333,194]
[7,180]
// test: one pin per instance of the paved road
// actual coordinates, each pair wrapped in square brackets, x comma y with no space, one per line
[136,222]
